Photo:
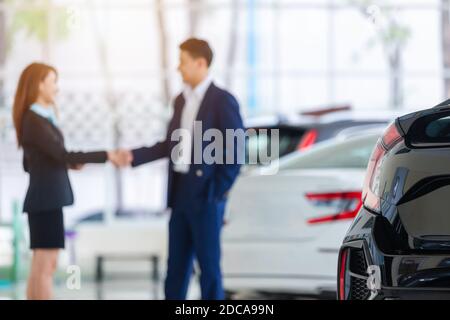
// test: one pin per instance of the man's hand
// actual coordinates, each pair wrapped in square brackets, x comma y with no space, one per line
[76,166]
[120,158]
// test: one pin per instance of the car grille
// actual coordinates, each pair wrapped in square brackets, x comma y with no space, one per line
[358,263]
[358,289]
[358,286]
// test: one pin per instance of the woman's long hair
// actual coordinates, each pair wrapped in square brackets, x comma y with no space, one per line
[27,93]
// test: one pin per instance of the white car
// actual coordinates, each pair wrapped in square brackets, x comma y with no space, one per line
[284,229]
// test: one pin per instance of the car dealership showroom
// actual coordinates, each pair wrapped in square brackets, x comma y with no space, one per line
[224,150]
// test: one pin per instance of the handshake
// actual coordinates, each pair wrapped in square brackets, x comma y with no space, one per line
[120,158]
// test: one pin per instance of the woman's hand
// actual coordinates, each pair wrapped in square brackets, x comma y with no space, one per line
[120,158]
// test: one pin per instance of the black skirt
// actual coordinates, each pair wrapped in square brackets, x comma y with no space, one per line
[46,229]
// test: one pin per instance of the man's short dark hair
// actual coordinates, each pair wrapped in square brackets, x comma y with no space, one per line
[198,49]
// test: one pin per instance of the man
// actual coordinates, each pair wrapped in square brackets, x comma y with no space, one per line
[196,191]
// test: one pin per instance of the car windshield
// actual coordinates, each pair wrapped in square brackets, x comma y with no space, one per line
[349,153]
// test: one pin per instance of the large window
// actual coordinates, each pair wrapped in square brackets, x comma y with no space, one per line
[117,62]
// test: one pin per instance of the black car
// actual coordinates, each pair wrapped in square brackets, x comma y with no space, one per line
[300,132]
[398,246]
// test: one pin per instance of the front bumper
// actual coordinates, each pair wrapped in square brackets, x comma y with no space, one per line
[397,293]
[372,275]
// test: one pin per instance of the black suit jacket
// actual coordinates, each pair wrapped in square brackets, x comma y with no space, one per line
[218,110]
[47,160]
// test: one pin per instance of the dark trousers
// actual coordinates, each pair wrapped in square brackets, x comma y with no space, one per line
[194,232]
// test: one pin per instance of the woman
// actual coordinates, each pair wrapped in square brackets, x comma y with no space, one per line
[47,161]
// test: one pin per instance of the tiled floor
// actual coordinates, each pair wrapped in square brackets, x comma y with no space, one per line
[113,289]
[126,289]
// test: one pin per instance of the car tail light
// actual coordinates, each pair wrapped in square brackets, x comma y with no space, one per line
[308,140]
[391,137]
[371,191]
[341,205]
[342,273]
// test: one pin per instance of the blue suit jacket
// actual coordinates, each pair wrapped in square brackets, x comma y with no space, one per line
[218,110]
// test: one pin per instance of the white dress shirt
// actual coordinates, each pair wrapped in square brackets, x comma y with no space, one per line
[193,98]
